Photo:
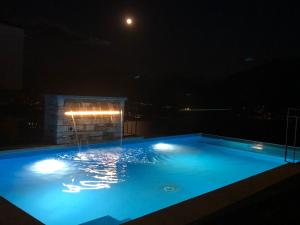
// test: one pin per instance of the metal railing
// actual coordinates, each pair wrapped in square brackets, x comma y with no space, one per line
[293,114]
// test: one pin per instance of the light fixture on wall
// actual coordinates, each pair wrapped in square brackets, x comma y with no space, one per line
[92,113]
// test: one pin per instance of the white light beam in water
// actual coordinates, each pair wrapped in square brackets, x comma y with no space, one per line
[163,147]
[258,146]
[48,166]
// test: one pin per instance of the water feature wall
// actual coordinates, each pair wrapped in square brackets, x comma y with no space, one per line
[82,119]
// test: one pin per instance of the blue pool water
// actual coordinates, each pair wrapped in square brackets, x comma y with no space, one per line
[70,187]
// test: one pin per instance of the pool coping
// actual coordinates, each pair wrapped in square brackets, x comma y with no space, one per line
[128,140]
[57,148]
[200,207]
[206,138]
[50,148]
[246,141]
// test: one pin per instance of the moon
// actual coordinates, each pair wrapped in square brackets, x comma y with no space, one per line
[129,21]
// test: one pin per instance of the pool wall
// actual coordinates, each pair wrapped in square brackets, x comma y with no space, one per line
[269,149]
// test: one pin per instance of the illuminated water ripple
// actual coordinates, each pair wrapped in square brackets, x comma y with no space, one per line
[95,169]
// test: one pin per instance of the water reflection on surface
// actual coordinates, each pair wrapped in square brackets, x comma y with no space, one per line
[95,169]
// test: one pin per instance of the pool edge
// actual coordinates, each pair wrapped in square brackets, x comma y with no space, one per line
[12,215]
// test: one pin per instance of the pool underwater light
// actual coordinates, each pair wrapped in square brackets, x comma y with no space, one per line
[258,146]
[163,147]
[48,166]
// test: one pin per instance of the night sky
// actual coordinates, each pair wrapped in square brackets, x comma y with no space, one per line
[85,47]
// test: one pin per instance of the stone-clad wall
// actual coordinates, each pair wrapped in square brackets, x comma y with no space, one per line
[60,129]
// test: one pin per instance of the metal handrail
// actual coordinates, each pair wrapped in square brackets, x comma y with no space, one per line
[288,117]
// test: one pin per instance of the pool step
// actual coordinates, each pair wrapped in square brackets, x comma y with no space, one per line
[105,220]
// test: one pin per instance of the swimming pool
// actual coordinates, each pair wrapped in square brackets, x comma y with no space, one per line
[67,186]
